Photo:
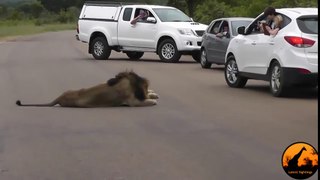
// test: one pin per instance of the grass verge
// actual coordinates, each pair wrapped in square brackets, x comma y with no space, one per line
[13,29]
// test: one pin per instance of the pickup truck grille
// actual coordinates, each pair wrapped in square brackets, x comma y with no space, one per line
[200,33]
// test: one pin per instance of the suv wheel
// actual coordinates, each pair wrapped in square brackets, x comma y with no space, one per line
[204,61]
[100,48]
[168,51]
[277,81]
[196,56]
[134,55]
[232,76]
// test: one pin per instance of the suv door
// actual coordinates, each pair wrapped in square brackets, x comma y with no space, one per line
[254,50]
[220,44]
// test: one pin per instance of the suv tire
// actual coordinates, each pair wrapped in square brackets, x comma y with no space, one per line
[231,74]
[278,86]
[204,61]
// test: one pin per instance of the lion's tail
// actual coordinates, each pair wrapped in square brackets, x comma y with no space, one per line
[18,102]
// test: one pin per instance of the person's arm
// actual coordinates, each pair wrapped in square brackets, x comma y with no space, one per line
[219,34]
[134,21]
[266,29]
[274,31]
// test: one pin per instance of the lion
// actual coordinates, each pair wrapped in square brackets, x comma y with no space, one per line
[125,89]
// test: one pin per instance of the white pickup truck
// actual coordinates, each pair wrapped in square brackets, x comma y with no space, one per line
[166,31]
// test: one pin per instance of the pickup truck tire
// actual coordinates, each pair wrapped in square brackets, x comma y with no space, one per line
[197,56]
[100,48]
[134,55]
[168,51]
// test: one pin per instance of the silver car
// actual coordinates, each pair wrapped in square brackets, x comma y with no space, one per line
[216,39]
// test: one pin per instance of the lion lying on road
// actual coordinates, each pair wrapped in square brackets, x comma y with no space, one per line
[126,89]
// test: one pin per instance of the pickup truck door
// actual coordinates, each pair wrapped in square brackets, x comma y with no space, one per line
[140,35]
[125,37]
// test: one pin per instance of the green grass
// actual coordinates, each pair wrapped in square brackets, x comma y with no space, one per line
[19,28]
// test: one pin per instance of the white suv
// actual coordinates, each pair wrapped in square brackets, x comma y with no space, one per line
[287,59]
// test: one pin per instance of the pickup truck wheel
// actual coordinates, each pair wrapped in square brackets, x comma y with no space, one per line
[197,56]
[100,48]
[231,74]
[168,51]
[134,55]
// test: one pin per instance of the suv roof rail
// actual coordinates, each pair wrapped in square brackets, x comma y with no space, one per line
[112,3]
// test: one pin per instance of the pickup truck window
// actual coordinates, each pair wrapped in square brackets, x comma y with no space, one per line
[171,15]
[127,14]
[141,12]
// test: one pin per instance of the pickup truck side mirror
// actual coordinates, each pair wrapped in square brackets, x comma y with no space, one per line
[151,20]
[241,30]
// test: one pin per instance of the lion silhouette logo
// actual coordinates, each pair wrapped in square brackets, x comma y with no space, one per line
[300,160]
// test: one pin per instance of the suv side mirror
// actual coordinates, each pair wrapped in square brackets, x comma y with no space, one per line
[151,20]
[241,30]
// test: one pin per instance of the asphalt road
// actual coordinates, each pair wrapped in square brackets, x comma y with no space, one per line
[200,130]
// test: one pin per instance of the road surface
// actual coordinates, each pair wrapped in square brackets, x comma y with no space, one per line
[200,130]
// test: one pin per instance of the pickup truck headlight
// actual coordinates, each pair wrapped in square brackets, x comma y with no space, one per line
[188,32]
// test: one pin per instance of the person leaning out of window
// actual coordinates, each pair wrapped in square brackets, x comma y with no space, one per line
[275,19]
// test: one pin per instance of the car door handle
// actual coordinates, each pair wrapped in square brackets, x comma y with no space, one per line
[271,43]
[254,43]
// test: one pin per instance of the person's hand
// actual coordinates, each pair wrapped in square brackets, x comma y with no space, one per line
[263,22]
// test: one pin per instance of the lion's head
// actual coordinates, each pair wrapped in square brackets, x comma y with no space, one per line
[139,84]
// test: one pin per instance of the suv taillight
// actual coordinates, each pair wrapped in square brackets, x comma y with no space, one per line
[299,41]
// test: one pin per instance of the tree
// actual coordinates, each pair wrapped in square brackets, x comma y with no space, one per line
[33,9]
[191,5]
[57,5]
[179,4]
[211,9]
[3,10]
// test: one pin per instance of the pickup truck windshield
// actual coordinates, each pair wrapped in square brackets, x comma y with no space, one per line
[171,15]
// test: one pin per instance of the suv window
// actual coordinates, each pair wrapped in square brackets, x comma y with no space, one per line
[215,28]
[236,24]
[127,14]
[308,25]
[254,27]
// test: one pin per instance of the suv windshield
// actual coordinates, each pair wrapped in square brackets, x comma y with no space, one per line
[171,15]
[308,24]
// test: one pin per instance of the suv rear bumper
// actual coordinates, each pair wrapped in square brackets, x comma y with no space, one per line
[294,76]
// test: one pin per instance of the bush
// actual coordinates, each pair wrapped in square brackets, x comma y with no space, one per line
[71,15]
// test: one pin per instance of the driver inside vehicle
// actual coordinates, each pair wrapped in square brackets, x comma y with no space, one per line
[142,17]
[225,32]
